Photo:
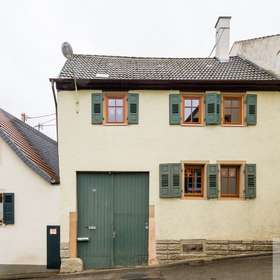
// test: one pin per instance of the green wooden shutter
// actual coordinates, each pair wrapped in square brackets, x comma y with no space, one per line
[133,108]
[170,180]
[212,181]
[251,108]
[212,108]
[250,181]
[8,208]
[175,180]
[97,108]
[174,108]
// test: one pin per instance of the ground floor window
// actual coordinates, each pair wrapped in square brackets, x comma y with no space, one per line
[193,180]
[230,181]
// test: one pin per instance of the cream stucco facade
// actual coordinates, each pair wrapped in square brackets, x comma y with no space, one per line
[142,147]
[36,206]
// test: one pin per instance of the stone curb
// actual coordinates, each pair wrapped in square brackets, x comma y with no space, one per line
[193,261]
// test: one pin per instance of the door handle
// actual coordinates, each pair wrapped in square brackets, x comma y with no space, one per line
[146,225]
[114,234]
[83,239]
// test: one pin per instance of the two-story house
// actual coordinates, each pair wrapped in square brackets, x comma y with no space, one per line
[165,158]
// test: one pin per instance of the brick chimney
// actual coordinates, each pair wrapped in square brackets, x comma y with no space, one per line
[222,38]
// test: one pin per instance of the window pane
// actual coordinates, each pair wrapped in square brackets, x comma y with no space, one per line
[232,172]
[224,172]
[195,103]
[119,114]
[119,102]
[227,102]
[224,185]
[188,103]
[195,115]
[235,103]
[232,188]
[111,102]
[235,115]
[227,115]
[197,171]
[188,113]
[111,114]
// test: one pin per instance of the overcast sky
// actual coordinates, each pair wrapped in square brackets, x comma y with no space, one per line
[32,33]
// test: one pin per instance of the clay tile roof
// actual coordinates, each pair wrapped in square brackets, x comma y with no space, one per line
[34,148]
[94,67]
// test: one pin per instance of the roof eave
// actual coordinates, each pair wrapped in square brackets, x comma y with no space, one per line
[128,84]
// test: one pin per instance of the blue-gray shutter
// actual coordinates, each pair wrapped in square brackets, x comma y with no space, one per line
[174,108]
[251,108]
[132,108]
[250,181]
[212,108]
[9,208]
[212,181]
[97,108]
[170,180]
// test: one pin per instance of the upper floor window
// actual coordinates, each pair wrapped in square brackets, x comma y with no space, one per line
[232,110]
[115,107]
[192,110]
[229,181]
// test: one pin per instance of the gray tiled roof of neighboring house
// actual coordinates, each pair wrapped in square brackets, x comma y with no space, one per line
[34,148]
[151,68]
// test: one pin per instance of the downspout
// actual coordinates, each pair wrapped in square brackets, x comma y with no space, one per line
[53,180]
[55,103]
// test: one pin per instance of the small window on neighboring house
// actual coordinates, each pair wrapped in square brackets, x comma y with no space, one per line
[192,110]
[115,107]
[1,208]
[194,180]
[232,110]
[230,181]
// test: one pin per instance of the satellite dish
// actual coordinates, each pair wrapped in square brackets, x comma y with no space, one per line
[67,50]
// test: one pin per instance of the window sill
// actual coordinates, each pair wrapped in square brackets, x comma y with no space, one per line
[193,124]
[193,197]
[115,124]
[233,125]
[230,198]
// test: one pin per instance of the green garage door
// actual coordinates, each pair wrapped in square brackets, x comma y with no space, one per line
[113,219]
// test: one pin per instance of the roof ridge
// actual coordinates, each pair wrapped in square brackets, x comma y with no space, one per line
[256,38]
[140,57]
[30,127]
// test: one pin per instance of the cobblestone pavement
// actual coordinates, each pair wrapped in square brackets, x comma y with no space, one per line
[255,268]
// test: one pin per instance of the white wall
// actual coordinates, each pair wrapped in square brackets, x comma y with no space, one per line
[87,147]
[264,52]
[36,206]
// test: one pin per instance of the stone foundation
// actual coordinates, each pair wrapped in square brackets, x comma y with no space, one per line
[172,250]
[64,250]
[69,265]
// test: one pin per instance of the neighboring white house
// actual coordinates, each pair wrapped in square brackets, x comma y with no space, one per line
[263,51]
[29,191]
[163,158]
